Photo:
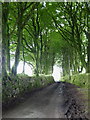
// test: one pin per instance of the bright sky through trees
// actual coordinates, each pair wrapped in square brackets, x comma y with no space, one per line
[28,69]
[57,71]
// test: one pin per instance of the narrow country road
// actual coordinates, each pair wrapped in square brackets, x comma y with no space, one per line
[45,103]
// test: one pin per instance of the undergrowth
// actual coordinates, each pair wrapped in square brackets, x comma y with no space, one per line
[15,86]
[81,80]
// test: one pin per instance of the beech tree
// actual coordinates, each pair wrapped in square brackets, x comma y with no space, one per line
[5,13]
[43,34]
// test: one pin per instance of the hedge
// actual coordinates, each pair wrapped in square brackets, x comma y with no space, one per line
[16,86]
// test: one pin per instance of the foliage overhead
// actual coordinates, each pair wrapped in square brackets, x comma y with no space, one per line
[43,33]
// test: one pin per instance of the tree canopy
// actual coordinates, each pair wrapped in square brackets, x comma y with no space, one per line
[45,33]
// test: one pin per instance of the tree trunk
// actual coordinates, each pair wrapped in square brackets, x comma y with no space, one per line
[4,37]
[37,61]
[4,50]
[88,52]
[17,53]
[66,62]
[53,56]
[23,61]
[41,48]
[19,35]
[8,50]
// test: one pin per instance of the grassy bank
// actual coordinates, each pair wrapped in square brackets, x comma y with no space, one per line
[15,87]
[83,83]
[81,80]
